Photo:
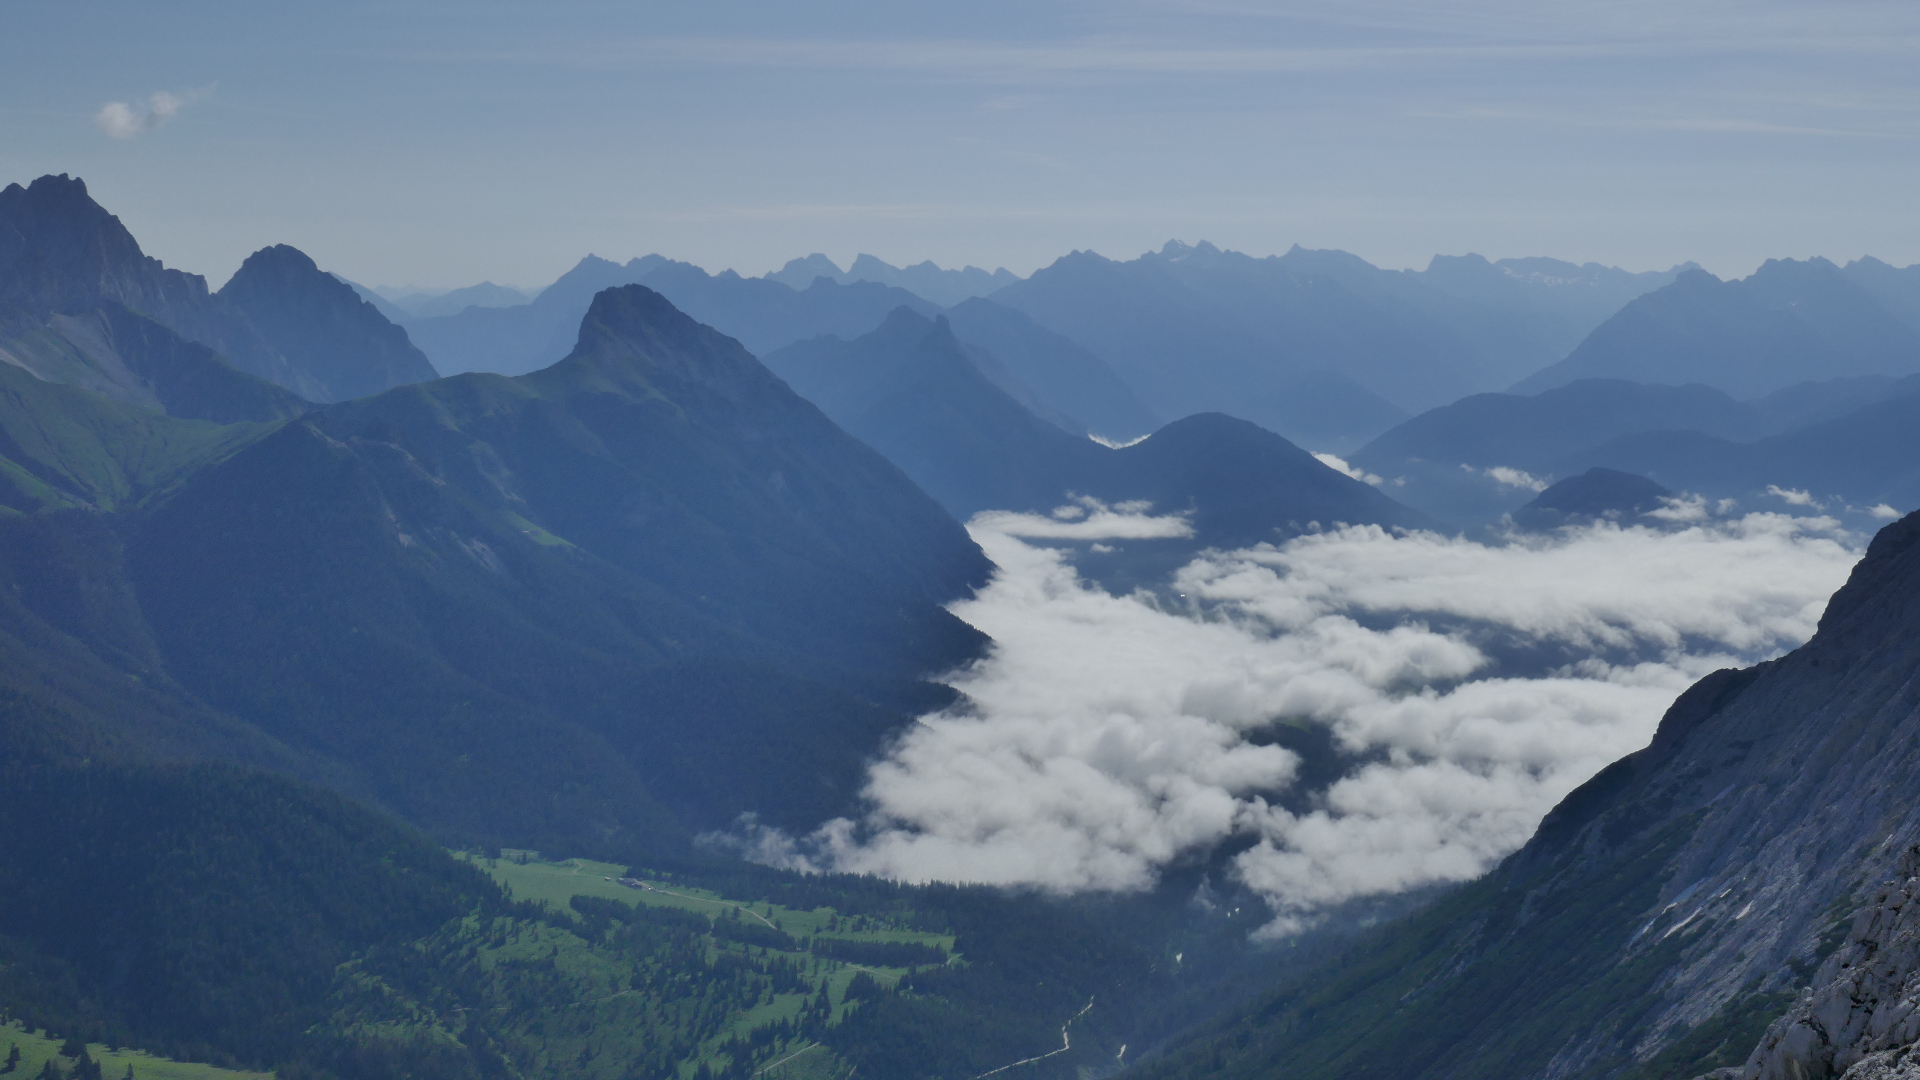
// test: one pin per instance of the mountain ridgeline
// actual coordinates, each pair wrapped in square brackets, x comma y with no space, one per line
[81,304]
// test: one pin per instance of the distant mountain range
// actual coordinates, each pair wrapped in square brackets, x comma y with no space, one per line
[1790,322]
[1843,441]
[924,279]
[1317,345]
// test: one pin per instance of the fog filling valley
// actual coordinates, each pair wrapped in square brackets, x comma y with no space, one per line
[1463,689]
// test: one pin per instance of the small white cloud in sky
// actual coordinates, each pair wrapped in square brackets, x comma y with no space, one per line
[1339,465]
[1883,512]
[1793,496]
[124,120]
[1107,736]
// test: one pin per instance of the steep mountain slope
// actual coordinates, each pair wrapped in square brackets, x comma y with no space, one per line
[1666,911]
[1789,322]
[338,342]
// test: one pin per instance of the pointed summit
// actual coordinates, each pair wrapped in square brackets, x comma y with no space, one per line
[634,338]
[340,345]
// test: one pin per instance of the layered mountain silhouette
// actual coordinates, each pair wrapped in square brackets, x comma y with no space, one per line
[924,279]
[762,314]
[81,304]
[454,301]
[1789,322]
[1464,462]
[1318,345]
[644,590]
[1666,911]
[919,395]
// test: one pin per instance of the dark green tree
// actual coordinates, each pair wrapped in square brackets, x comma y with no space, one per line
[51,1071]
[73,1047]
[13,1058]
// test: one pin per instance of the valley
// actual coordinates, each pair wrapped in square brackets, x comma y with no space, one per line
[1196,665]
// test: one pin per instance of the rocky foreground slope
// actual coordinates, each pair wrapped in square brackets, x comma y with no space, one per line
[1861,1021]
[1667,911]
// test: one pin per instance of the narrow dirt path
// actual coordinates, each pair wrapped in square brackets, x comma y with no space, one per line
[1066,1044]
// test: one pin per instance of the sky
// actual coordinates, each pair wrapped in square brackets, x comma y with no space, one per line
[436,143]
[1470,687]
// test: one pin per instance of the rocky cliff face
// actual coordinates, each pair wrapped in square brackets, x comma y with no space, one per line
[1861,1019]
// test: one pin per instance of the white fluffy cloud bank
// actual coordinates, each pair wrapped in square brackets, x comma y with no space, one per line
[124,120]
[1469,687]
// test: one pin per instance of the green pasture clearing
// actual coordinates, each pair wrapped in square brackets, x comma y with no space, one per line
[35,1049]
[530,878]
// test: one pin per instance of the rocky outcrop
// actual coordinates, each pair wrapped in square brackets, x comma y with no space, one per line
[1862,1019]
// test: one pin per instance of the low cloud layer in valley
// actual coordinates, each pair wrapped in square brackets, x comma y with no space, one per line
[1466,688]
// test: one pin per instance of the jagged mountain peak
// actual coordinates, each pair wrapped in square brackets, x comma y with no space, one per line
[634,336]
[339,345]
[62,251]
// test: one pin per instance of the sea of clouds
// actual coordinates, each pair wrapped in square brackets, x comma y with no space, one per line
[1469,686]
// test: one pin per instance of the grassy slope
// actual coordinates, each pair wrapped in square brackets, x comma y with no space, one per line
[36,1048]
[62,448]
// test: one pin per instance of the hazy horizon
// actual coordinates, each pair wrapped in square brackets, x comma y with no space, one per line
[427,144]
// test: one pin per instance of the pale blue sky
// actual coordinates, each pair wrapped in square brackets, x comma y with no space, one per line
[441,143]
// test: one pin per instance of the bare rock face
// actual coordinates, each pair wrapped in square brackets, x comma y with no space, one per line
[1862,1019]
